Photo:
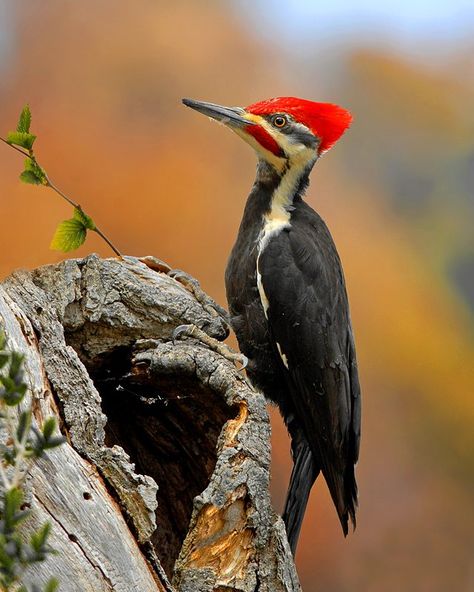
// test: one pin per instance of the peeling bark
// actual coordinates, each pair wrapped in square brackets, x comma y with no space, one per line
[165,473]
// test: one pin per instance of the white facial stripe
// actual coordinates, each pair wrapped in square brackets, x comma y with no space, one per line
[279,217]
[296,152]
[291,148]
[292,168]
[276,161]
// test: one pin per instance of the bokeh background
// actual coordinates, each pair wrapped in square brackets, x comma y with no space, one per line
[104,80]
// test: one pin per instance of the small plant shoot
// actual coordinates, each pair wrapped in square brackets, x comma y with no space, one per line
[70,234]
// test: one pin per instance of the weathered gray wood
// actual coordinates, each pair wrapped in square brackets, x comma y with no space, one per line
[96,549]
[143,417]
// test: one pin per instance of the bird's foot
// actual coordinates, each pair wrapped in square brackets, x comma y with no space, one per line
[217,346]
[193,286]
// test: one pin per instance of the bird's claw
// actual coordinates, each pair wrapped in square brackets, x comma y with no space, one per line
[224,350]
[184,278]
[244,361]
[181,331]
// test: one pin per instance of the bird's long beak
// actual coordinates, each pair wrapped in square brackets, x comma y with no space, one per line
[231,116]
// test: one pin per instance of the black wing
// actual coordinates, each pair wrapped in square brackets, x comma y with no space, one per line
[309,319]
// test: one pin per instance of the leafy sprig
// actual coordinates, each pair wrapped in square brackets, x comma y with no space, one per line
[24,444]
[70,234]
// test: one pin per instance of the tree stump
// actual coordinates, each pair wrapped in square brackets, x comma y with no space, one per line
[163,483]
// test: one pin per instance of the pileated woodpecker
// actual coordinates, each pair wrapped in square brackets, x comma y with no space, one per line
[288,301]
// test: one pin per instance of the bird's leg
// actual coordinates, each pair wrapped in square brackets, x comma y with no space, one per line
[193,286]
[221,348]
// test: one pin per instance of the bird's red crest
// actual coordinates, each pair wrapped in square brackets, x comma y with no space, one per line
[325,120]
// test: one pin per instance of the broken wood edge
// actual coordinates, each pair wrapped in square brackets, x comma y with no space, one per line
[235,540]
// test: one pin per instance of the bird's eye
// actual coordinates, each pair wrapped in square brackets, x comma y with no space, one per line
[279,121]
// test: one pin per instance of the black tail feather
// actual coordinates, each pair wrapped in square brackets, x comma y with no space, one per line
[350,490]
[343,490]
[339,477]
[302,478]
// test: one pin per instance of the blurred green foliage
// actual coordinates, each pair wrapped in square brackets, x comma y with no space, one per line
[23,444]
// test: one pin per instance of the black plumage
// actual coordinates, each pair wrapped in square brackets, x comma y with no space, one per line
[288,301]
[307,325]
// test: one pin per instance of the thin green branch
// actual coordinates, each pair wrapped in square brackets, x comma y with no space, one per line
[54,187]
[102,235]
[15,147]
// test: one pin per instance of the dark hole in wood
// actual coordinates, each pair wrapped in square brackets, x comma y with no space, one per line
[169,426]
[86,495]
[73,538]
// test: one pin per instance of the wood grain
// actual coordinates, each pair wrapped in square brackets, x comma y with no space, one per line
[165,473]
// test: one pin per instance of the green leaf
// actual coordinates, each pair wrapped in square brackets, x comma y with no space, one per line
[34,167]
[12,502]
[15,396]
[84,218]
[7,564]
[72,233]
[30,178]
[3,359]
[48,428]
[8,456]
[38,539]
[52,585]
[33,173]
[25,120]
[15,365]
[24,422]
[54,442]
[22,139]
[7,382]
[69,235]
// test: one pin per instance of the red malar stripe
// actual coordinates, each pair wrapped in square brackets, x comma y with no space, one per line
[264,139]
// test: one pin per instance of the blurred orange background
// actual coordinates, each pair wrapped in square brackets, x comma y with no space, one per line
[104,81]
